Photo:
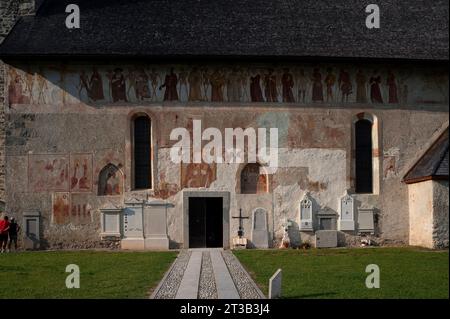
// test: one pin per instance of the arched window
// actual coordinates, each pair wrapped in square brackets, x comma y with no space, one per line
[363,157]
[253,181]
[142,152]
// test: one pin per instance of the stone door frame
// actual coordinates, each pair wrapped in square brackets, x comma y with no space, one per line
[225,214]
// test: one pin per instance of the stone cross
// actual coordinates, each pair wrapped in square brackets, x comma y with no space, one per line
[241,228]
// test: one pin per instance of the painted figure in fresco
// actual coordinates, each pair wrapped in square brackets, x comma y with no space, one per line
[270,87]
[183,82]
[330,80]
[112,186]
[61,210]
[74,178]
[234,86]
[42,87]
[199,175]
[217,81]
[375,91]
[15,89]
[361,89]
[96,86]
[84,180]
[117,85]
[154,81]
[205,83]
[287,81]
[317,88]
[29,82]
[141,85]
[345,84]
[255,89]
[243,83]
[170,83]
[83,86]
[404,93]
[131,77]
[392,85]
[195,85]
[302,83]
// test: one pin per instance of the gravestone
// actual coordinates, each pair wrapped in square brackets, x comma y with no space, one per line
[326,238]
[110,218]
[306,214]
[260,234]
[132,221]
[32,227]
[366,220]
[155,225]
[275,285]
[347,219]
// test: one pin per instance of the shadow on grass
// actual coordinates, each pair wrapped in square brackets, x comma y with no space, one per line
[311,295]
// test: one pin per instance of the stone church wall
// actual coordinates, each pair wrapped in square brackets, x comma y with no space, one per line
[10,10]
[60,136]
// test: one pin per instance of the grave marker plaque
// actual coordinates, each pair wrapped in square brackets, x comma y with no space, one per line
[347,220]
[31,226]
[306,214]
[260,234]
[133,231]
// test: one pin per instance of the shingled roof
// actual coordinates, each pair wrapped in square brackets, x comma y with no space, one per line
[410,29]
[433,164]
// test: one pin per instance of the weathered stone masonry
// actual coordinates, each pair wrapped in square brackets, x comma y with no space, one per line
[10,10]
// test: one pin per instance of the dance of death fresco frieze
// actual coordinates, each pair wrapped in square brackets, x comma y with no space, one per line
[292,84]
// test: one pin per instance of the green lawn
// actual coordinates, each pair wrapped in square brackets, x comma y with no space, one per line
[340,273]
[102,274]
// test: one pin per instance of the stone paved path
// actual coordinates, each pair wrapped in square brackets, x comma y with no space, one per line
[207,274]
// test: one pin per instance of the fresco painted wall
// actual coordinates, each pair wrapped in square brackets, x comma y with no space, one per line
[296,83]
[69,145]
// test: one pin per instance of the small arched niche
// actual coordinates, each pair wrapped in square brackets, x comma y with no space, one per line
[110,181]
[254,180]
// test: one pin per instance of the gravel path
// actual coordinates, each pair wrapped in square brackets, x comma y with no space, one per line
[169,287]
[207,286]
[246,287]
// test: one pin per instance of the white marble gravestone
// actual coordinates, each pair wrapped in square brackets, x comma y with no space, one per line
[306,214]
[32,229]
[110,219]
[347,216]
[260,233]
[275,285]
[132,221]
[326,239]
[155,225]
[366,220]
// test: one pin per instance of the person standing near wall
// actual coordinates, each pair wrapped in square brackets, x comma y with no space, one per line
[4,228]
[14,229]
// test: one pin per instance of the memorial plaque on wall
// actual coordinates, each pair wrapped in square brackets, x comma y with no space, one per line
[132,222]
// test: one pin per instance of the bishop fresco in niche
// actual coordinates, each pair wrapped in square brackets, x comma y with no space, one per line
[110,181]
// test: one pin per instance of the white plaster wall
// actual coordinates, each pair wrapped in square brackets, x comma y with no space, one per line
[440,211]
[327,166]
[421,214]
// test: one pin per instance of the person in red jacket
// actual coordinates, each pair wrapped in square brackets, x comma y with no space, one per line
[4,228]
